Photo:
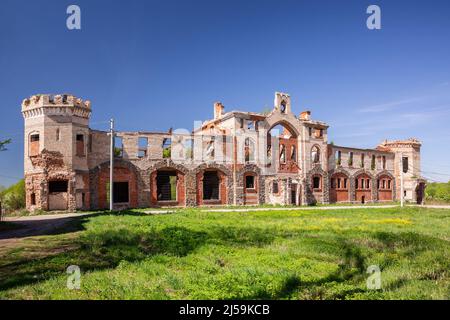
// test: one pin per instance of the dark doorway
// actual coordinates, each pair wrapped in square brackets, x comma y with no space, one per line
[166,185]
[363,199]
[210,185]
[121,194]
[419,193]
[294,194]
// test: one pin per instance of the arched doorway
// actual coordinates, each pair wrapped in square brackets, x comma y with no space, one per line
[339,188]
[363,188]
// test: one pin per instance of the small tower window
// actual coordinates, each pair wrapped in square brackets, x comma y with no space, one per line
[405,164]
[58,135]
[34,145]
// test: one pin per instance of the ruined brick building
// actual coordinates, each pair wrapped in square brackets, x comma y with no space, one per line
[236,158]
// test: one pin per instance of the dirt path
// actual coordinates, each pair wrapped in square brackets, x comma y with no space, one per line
[35,226]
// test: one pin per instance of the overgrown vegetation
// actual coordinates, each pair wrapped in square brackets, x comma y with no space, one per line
[438,191]
[13,198]
[191,254]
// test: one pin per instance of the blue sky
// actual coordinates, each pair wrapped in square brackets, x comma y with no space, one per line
[153,65]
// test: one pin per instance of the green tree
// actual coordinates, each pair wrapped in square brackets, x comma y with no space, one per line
[3,144]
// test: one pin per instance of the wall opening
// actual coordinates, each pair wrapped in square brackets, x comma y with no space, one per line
[80,145]
[166,185]
[142,147]
[58,186]
[118,147]
[210,185]
[317,182]
[34,145]
[250,182]
[405,164]
[167,148]
[275,187]
[33,199]
[121,192]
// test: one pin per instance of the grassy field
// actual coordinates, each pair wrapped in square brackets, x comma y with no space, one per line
[191,254]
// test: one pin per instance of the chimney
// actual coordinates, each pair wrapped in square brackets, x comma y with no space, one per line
[305,115]
[218,110]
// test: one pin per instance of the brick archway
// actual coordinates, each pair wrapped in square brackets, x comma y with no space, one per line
[339,186]
[363,183]
[385,186]
[124,172]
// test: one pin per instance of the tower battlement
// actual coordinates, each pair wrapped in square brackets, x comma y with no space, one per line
[53,104]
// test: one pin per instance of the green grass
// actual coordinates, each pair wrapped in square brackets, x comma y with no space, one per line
[194,254]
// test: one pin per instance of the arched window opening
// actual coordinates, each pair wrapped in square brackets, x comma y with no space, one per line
[362,160]
[350,159]
[373,163]
[293,154]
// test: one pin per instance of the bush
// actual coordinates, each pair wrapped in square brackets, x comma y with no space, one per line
[438,191]
[13,198]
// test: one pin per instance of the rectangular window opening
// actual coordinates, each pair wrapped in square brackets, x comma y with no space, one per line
[57,186]
[250,182]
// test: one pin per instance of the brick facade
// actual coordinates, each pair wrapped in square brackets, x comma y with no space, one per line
[236,158]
